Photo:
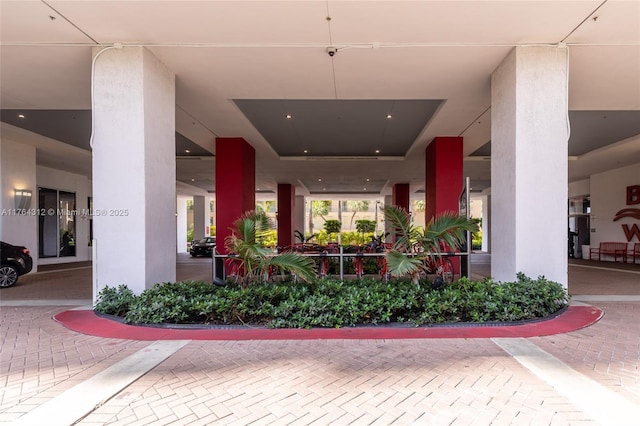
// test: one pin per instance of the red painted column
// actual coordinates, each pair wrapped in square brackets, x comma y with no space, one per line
[286,214]
[444,178]
[400,195]
[235,184]
[444,175]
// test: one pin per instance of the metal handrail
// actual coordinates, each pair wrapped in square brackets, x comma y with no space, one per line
[340,255]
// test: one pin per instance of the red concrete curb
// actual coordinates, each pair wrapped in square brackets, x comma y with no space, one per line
[87,322]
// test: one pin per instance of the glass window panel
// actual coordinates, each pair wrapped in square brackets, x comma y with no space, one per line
[67,224]
[47,224]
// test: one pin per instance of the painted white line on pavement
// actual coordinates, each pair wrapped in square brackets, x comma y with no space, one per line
[46,302]
[606,297]
[75,403]
[603,405]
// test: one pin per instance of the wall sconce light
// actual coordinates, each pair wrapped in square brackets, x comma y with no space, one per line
[23,199]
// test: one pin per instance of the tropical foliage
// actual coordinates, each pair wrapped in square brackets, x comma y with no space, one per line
[414,246]
[318,208]
[357,206]
[252,262]
[365,225]
[334,303]
[332,226]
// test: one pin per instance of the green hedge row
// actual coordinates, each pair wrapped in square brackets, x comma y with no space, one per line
[334,303]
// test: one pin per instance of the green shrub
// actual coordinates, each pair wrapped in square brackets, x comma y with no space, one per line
[115,301]
[334,303]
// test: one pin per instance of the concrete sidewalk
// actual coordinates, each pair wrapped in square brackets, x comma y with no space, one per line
[589,376]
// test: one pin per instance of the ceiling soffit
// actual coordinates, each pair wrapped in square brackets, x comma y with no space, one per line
[339,128]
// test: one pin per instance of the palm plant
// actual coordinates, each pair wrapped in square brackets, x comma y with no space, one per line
[413,246]
[253,262]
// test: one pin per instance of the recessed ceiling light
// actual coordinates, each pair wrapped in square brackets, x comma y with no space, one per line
[319,180]
[389,116]
[187,151]
[193,180]
[364,189]
[288,116]
[377,151]
[368,179]
[306,151]
[20,115]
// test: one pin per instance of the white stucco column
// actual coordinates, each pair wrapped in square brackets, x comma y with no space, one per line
[181,224]
[200,216]
[529,145]
[486,223]
[134,168]
[388,201]
[299,211]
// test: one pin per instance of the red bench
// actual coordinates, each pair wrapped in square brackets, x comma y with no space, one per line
[635,253]
[610,249]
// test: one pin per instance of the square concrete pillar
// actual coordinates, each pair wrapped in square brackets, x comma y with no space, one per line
[299,209]
[401,196]
[134,170]
[200,217]
[443,176]
[235,184]
[529,154]
[286,214]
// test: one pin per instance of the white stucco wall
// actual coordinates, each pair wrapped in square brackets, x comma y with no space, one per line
[608,196]
[18,171]
[300,222]
[80,185]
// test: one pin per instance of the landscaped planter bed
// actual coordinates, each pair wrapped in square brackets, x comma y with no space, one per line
[333,303]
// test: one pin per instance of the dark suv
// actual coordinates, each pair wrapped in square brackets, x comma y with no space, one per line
[204,247]
[15,261]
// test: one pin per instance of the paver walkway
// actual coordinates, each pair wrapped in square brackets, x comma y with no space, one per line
[390,381]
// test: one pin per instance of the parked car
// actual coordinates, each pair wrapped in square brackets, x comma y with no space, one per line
[204,247]
[14,261]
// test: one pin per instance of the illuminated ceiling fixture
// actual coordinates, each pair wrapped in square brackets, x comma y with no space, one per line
[288,116]
[377,151]
[193,180]
[305,151]
[187,151]
[20,115]
[389,116]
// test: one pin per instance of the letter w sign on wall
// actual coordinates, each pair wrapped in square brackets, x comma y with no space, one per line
[633,197]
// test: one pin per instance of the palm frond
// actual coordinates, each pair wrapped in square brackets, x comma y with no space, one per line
[447,228]
[400,264]
[254,260]
[400,221]
[444,232]
[398,218]
[245,228]
[302,267]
